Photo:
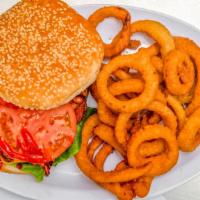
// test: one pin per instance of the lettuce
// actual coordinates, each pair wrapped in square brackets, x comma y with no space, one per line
[74,149]
[36,170]
[27,168]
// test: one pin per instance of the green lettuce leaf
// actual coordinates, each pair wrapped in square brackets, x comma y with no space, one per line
[74,149]
[27,168]
[36,170]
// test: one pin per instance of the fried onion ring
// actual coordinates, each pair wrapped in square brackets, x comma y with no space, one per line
[121,165]
[94,92]
[102,155]
[178,110]
[189,137]
[162,162]
[160,96]
[190,48]
[126,86]
[157,31]
[93,146]
[122,40]
[179,72]
[157,63]
[97,175]
[151,51]
[105,114]
[106,134]
[166,114]
[142,186]
[142,120]
[186,99]
[135,86]
[121,74]
[154,119]
[123,192]
[144,66]
[134,44]
[152,148]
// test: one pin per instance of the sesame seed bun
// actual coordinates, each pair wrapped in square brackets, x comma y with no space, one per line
[48,54]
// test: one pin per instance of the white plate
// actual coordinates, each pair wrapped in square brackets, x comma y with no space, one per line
[66,181]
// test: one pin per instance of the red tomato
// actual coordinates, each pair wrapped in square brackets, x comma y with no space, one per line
[52,130]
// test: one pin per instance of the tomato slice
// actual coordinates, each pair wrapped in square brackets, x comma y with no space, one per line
[53,130]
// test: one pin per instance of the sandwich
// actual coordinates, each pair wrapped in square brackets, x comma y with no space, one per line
[49,55]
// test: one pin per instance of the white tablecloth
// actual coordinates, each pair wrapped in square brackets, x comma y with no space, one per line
[188,10]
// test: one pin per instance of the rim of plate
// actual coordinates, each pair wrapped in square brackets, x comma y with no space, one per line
[150,11]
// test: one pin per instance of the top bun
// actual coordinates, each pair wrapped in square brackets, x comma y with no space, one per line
[48,54]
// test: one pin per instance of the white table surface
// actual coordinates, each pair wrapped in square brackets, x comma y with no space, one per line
[188,10]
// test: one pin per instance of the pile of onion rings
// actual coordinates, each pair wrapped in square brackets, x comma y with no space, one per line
[147,107]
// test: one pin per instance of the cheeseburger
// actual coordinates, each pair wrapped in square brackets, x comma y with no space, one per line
[49,55]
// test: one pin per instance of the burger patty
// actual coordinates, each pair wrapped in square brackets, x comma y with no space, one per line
[79,103]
